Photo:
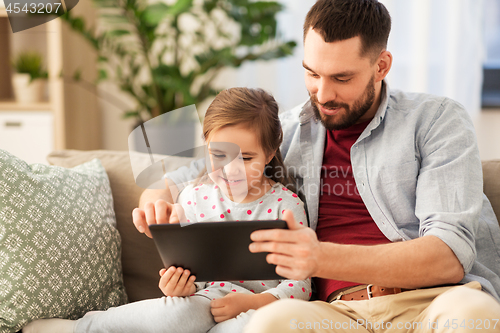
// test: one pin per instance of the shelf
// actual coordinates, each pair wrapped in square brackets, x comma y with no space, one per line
[14,106]
[74,111]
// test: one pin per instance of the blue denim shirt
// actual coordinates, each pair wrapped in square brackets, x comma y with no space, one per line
[418,171]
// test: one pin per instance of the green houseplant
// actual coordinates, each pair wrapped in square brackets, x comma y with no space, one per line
[167,55]
[29,77]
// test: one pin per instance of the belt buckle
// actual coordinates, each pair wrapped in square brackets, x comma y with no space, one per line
[369,291]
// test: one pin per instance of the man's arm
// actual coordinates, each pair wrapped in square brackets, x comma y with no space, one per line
[426,261]
[422,262]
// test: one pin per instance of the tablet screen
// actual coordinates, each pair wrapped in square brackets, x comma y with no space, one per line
[215,251]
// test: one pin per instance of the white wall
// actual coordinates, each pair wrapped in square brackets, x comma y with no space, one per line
[115,129]
[285,80]
[487,124]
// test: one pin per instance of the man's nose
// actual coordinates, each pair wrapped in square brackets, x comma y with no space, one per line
[326,91]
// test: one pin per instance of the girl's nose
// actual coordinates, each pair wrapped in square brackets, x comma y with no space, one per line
[234,167]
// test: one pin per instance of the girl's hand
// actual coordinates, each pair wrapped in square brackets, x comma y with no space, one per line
[233,304]
[177,282]
[157,213]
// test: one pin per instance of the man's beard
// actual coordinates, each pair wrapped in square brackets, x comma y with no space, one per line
[351,115]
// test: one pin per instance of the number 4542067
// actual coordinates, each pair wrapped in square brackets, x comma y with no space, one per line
[34,8]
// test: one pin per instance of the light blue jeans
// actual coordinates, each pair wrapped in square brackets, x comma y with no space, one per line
[166,314]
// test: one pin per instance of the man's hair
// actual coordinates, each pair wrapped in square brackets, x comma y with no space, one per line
[337,20]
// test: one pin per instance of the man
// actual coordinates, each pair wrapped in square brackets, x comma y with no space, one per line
[393,187]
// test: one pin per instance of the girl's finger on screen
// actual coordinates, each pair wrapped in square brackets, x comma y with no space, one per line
[139,219]
[149,211]
[162,211]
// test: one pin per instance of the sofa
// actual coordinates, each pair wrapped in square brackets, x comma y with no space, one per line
[67,241]
[140,259]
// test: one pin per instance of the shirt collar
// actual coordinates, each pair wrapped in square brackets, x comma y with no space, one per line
[307,113]
[384,103]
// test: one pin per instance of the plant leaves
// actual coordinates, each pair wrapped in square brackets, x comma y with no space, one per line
[154,14]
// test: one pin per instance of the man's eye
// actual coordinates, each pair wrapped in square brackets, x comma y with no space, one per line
[314,75]
[218,155]
[343,81]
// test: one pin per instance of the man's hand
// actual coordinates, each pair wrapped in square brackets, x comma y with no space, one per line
[157,213]
[177,282]
[233,304]
[295,251]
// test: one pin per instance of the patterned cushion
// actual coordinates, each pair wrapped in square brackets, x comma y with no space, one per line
[59,247]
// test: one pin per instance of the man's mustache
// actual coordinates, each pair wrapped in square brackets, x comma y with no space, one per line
[330,104]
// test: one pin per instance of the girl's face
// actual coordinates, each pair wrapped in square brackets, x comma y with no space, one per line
[238,163]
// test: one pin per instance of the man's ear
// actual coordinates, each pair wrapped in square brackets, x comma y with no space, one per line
[384,63]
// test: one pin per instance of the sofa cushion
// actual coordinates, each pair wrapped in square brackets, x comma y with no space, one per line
[491,185]
[59,246]
[140,259]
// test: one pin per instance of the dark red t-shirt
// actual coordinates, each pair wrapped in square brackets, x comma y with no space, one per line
[342,216]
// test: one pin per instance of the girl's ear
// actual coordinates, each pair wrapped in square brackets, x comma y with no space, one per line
[270,157]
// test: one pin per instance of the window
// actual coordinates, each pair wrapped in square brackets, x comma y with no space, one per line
[491,81]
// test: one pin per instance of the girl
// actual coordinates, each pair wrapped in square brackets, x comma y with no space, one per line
[244,182]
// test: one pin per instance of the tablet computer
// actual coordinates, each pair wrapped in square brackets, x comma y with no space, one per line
[215,251]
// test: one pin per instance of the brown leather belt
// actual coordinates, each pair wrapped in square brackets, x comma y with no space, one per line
[363,292]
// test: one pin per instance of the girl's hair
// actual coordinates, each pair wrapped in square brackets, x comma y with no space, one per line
[257,110]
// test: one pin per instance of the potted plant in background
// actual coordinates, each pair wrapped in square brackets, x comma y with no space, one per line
[29,78]
[166,56]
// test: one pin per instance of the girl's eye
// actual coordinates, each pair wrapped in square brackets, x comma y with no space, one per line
[247,158]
